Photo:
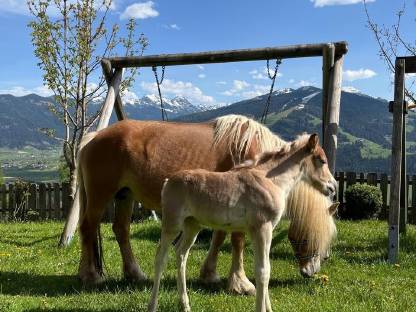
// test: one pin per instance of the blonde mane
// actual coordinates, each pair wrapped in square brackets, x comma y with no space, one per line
[310,220]
[238,132]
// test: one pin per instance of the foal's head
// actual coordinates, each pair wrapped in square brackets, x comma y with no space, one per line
[315,166]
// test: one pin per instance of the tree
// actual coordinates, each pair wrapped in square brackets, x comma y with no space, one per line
[70,37]
[393,43]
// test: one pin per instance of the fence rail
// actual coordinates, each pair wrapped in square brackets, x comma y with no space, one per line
[51,201]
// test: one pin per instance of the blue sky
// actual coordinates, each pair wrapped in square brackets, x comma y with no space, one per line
[187,26]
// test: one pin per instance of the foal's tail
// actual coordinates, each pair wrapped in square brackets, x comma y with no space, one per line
[74,212]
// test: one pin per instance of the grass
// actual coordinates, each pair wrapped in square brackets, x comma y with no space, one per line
[36,276]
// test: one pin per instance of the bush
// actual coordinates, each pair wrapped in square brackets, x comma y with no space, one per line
[363,201]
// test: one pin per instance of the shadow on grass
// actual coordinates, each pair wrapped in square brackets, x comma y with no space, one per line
[17,243]
[16,284]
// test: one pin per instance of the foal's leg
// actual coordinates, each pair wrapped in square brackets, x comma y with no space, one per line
[208,273]
[161,259]
[121,229]
[238,281]
[189,235]
[261,239]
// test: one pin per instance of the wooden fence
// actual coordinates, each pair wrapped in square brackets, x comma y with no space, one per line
[51,201]
[45,201]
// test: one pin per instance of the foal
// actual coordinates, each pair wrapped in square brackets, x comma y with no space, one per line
[251,198]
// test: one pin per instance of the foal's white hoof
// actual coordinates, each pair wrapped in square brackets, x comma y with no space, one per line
[240,284]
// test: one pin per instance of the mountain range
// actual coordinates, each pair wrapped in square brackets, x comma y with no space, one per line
[364,136]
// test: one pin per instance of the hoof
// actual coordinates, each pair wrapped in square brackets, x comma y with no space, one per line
[240,284]
[90,278]
[135,275]
[209,277]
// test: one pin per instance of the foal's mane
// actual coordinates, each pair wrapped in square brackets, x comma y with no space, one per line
[239,132]
[268,156]
[310,220]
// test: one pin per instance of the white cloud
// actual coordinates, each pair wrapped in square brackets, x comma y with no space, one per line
[201,67]
[351,75]
[221,82]
[140,10]
[22,91]
[181,88]
[246,90]
[350,89]
[172,26]
[322,3]
[305,83]
[263,73]
[292,80]
[202,76]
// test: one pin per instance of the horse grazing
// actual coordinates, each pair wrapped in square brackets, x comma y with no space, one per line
[251,198]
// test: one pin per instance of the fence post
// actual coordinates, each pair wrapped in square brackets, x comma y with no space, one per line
[32,197]
[384,184]
[3,202]
[66,199]
[341,188]
[351,178]
[42,201]
[12,201]
[413,214]
[372,178]
[57,200]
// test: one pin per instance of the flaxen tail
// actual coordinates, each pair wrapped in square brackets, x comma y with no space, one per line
[74,212]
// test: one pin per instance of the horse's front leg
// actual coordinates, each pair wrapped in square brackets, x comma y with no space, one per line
[238,281]
[208,273]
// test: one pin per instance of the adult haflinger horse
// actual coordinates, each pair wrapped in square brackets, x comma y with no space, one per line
[131,159]
[250,198]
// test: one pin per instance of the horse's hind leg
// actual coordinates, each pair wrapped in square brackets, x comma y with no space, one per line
[261,240]
[208,273]
[91,268]
[238,281]
[190,232]
[121,229]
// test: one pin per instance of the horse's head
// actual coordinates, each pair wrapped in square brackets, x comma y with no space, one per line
[315,167]
[310,252]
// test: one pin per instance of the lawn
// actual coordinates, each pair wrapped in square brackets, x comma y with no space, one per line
[36,276]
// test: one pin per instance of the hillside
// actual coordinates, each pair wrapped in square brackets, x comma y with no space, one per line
[364,134]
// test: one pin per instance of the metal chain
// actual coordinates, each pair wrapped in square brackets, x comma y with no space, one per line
[272,77]
[159,83]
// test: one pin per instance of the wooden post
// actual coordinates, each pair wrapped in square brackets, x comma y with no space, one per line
[113,90]
[351,178]
[12,201]
[42,201]
[341,188]
[372,178]
[384,184]
[413,218]
[3,202]
[328,58]
[108,74]
[334,98]
[396,162]
[32,197]
[56,200]
[49,205]
[66,198]
[403,184]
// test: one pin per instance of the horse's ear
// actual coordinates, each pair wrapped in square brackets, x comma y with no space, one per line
[249,163]
[313,141]
[333,208]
